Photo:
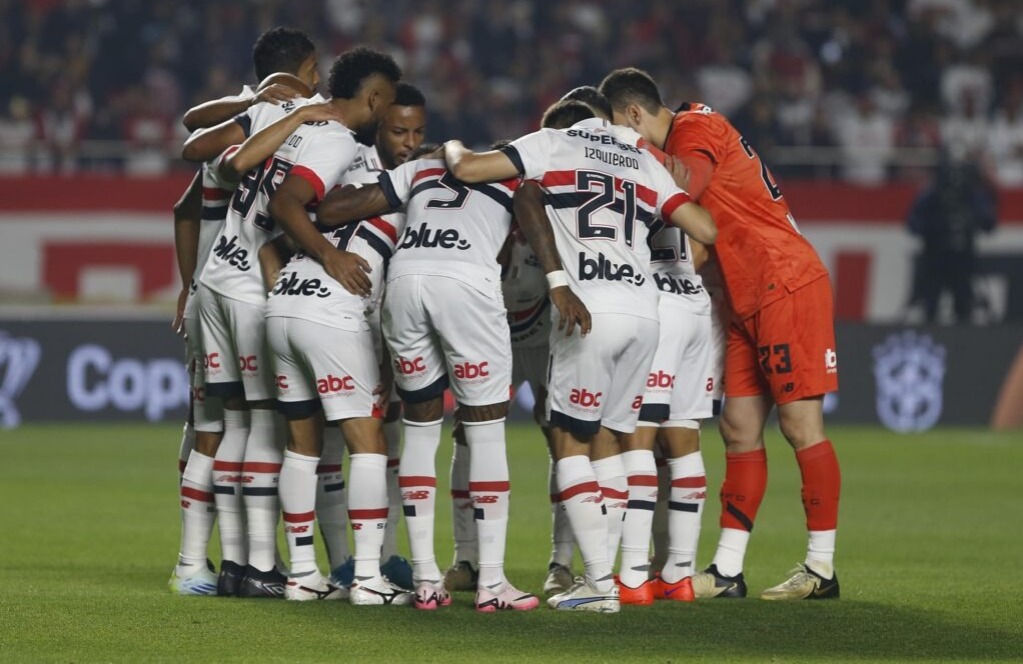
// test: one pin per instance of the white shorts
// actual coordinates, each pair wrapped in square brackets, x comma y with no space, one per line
[681,383]
[443,332]
[598,380]
[237,361]
[319,366]
[207,412]
[530,365]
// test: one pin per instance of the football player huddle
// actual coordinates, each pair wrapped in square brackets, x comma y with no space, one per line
[627,261]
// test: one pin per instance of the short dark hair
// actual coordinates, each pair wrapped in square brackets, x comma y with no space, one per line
[590,96]
[281,49]
[408,95]
[351,69]
[564,114]
[631,86]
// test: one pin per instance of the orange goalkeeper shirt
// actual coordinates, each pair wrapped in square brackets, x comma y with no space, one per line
[760,251]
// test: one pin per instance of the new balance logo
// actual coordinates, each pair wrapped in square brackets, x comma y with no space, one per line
[604,268]
[585,398]
[468,370]
[427,238]
[296,529]
[484,500]
[289,284]
[409,367]
[669,284]
[415,495]
[660,379]
[231,253]
[332,384]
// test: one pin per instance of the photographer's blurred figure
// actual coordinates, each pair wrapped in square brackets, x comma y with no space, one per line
[948,215]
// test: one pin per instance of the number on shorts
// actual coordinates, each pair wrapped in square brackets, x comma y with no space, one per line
[780,352]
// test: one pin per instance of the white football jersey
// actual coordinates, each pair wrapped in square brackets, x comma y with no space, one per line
[453,229]
[232,269]
[304,289]
[671,258]
[525,297]
[216,194]
[603,196]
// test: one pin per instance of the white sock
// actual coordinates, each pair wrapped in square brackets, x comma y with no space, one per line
[731,551]
[197,509]
[418,480]
[298,503]
[581,496]
[562,540]
[463,521]
[490,491]
[641,471]
[610,474]
[659,529]
[331,498]
[820,552]
[187,445]
[688,495]
[264,454]
[367,510]
[392,434]
[227,489]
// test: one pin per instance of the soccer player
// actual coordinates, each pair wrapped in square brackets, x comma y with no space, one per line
[326,367]
[781,343]
[238,370]
[444,322]
[398,136]
[600,196]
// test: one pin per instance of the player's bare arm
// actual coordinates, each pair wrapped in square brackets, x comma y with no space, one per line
[351,203]
[473,167]
[260,146]
[214,112]
[187,217]
[532,218]
[206,144]
[700,254]
[287,207]
[691,172]
[273,256]
[696,222]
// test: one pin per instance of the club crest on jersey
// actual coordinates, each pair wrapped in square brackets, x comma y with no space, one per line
[231,253]
[427,238]
[909,370]
[604,268]
[290,284]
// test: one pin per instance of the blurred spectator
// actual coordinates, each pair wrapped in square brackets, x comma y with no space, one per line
[948,216]
[1005,139]
[802,74]
[17,137]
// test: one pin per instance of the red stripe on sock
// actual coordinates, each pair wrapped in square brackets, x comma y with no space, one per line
[416,480]
[363,515]
[459,493]
[822,484]
[229,466]
[584,487]
[642,480]
[614,493]
[331,468]
[489,486]
[260,467]
[196,494]
[689,482]
[299,517]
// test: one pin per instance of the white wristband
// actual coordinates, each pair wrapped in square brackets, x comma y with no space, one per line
[556,279]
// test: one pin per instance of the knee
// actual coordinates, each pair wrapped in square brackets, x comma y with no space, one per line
[739,437]
[801,431]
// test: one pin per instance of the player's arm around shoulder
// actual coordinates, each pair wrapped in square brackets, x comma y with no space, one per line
[683,211]
[473,167]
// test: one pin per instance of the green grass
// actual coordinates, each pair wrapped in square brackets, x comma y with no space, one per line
[929,556]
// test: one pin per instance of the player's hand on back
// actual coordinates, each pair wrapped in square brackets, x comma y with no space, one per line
[350,270]
[320,112]
[275,94]
[571,311]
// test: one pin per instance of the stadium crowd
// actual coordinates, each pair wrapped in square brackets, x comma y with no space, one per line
[874,81]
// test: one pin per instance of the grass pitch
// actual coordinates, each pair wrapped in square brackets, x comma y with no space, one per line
[929,560]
